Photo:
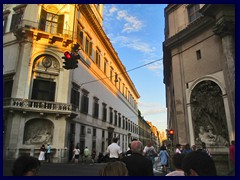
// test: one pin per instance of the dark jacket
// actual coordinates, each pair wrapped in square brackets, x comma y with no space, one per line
[138,165]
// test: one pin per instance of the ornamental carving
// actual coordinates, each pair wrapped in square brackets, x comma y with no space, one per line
[208,115]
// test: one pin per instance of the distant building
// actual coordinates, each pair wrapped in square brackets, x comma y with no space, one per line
[45,103]
[199,74]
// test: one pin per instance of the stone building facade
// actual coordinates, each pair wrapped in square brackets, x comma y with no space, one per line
[199,74]
[45,103]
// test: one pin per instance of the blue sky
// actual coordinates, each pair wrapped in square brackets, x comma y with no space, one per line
[136,32]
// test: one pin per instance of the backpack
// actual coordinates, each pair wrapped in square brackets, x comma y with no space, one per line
[151,153]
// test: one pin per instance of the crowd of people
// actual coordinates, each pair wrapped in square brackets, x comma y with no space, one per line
[138,160]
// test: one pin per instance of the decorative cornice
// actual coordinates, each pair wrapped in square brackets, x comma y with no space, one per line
[192,29]
[224,28]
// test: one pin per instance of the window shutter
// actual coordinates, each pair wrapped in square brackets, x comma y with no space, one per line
[77,99]
[90,48]
[35,89]
[42,21]
[7,89]
[60,24]
[14,22]
[52,91]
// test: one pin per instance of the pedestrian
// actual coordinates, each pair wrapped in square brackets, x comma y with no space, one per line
[187,149]
[93,155]
[116,168]
[114,151]
[129,151]
[178,148]
[48,153]
[198,163]
[177,160]
[26,166]
[205,149]
[137,164]
[86,154]
[194,147]
[232,158]
[76,153]
[150,152]
[41,156]
[163,155]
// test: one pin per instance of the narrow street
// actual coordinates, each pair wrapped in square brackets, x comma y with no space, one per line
[64,169]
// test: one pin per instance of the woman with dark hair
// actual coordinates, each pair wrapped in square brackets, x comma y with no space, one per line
[41,156]
[26,166]
[163,155]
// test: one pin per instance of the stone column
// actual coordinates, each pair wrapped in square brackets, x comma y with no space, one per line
[225,28]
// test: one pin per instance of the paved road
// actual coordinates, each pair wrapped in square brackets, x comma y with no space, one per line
[64,169]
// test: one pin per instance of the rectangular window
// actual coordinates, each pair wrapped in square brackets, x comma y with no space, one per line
[98,58]
[103,147]
[51,23]
[119,84]
[123,123]
[103,133]
[5,18]
[110,115]
[7,88]
[16,20]
[105,67]
[193,12]
[43,90]
[82,131]
[104,112]
[115,118]
[84,102]
[94,132]
[75,96]
[88,46]
[111,74]
[80,36]
[198,53]
[93,144]
[95,107]
[119,120]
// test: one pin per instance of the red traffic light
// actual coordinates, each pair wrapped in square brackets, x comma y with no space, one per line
[67,55]
[171,132]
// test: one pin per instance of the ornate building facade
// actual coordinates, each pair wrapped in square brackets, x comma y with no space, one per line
[45,103]
[199,74]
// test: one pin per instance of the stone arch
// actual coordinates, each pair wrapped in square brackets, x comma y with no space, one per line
[46,63]
[208,114]
[38,131]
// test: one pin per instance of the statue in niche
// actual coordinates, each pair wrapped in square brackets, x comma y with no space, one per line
[210,138]
[208,115]
[38,131]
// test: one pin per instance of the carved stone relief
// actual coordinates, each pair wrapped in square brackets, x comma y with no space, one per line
[208,115]
[38,131]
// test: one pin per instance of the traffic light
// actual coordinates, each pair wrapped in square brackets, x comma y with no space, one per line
[67,60]
[75,61]
[171,133]
[75,47]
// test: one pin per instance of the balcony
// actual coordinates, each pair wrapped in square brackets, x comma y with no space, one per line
[47,107]
[38,31]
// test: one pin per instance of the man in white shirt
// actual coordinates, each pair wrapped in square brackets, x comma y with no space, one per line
[178,148]
[114,151]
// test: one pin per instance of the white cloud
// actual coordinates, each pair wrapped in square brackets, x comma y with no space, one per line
[132,23]
[132,43]
[151,108]
[112,10]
